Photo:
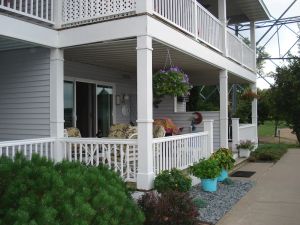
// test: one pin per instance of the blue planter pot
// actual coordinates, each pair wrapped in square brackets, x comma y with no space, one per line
[209,185]
[223,175]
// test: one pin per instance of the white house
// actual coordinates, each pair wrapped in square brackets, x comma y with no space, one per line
[58,56]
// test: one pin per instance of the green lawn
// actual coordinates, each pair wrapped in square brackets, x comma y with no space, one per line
[268,128]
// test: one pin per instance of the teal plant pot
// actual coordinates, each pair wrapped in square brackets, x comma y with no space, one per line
[209,185]
[223,175]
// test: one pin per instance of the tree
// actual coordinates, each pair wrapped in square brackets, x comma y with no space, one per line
[286,94]
[265,111]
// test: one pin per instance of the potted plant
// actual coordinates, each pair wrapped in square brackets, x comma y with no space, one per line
[170,82]
[245,148]
[207,170]
[225,160]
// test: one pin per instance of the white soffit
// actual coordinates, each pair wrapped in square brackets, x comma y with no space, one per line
[247,10]
[121,55]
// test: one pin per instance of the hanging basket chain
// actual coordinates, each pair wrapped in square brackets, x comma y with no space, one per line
[168,60]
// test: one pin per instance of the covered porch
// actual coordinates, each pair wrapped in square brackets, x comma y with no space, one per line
[124,70]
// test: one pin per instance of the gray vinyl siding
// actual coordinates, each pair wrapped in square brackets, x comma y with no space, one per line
[124,83]
[183,119]
[24,94]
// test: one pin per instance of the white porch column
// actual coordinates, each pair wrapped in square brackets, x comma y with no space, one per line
[57,13]
[253,86]
[57,99]
[144,6]
[254,111]
[222,12]
[209,127]
[223,77]
[235,132]
[253,41]
[145,174]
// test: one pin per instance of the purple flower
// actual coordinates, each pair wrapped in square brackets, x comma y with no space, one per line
[175,69]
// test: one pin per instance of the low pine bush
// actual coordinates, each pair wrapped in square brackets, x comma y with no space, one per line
[174,180]
[39,192]
[169,208]
[268,152]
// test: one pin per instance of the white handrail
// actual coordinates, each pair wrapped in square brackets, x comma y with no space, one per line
[179,137]
[121,155]
[246,126]
[240,51]
[43,147]
[179,151]
[41,10]
[192,18]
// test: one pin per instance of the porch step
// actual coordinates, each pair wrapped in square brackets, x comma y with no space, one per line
[239,162]
[235,155]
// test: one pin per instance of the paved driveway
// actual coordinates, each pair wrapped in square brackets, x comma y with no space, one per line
[275,200]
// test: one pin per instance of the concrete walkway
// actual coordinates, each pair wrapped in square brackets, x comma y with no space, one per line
[275,199]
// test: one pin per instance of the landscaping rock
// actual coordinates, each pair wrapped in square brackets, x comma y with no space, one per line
[221,201]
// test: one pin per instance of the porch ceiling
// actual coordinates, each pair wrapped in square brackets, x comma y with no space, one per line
[13,44]
[122,55]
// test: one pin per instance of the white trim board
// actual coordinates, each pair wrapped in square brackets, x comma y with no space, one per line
[29,32]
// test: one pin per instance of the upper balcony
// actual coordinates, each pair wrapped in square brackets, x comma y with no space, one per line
[188,16]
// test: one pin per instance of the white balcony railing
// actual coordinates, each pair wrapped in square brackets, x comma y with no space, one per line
[84,11]
[179,151]
[193,18]
[119,155]
[239,51]
[41,10]
[42,147]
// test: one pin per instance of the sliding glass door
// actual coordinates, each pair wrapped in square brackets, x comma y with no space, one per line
[69,110]
[89,107]
[104,108]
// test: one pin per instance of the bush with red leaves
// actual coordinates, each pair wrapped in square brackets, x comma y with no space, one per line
[169,208]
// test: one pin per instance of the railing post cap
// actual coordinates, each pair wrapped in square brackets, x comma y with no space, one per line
[235,119]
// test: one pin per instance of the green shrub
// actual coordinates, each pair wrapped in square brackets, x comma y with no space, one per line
[268,152]
[224,158]
[37,192]
[174,180]
[171,208]
[206,169]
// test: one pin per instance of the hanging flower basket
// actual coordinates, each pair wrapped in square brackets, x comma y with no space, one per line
[249,95]
[170,82]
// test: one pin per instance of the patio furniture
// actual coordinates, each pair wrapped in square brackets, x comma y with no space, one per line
[73,132]
[169,126]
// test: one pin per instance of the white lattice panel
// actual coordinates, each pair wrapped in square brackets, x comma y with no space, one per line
[77,11]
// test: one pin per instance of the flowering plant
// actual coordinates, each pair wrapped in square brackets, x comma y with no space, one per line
[247,144]
[170,82]
[249,95]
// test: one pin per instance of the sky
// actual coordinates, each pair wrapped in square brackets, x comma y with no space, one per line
[287,38]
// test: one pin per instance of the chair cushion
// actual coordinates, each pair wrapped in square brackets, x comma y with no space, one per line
[73,132]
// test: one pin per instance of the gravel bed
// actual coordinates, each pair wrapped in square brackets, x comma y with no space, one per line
[221,201]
